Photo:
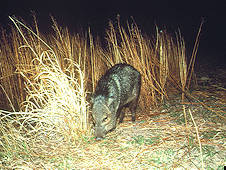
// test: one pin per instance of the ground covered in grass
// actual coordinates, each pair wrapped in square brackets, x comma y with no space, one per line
[46,84]
[159,139]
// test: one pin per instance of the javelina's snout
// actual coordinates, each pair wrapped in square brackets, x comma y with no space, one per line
[99,133]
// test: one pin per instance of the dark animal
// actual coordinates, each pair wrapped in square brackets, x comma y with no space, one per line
[119,87]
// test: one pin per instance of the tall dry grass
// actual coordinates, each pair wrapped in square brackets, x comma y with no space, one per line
[160,59]
[53,108]
[46,79]
[130,46]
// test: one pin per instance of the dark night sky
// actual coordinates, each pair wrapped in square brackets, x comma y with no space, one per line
[185,15]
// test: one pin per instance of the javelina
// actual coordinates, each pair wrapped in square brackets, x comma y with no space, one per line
[119,87]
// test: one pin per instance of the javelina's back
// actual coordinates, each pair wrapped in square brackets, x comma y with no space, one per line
[118,87]
[120,81]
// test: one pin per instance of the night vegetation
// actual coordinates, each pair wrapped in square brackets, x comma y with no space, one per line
[45,86]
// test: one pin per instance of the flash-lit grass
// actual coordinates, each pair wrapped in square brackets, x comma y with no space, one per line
[55,109]
[46,82]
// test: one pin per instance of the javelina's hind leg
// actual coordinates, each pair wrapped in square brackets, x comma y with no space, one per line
[132,108]
[121,115]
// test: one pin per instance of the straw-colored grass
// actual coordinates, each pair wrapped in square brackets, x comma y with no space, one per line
[55,107]
[46,81]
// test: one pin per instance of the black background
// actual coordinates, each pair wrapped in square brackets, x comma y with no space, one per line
[185,15]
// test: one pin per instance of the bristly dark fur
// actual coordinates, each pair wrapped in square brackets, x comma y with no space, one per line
[119,87]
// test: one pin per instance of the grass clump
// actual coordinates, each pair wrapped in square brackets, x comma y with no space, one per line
[54,110]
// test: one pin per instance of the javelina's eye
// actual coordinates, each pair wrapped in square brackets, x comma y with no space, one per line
[106,119]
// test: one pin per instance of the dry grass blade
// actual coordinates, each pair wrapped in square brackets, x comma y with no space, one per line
[194,54]
[198,138]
